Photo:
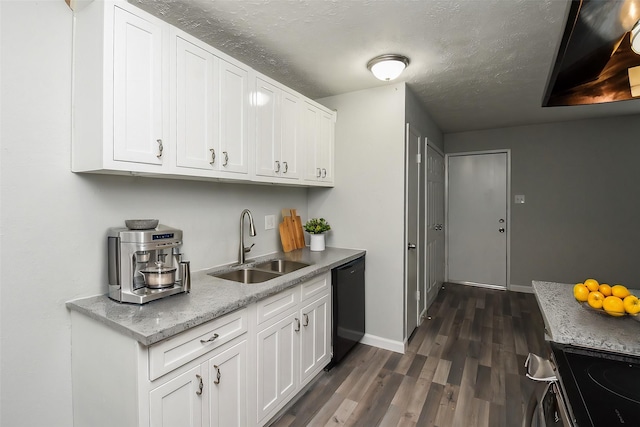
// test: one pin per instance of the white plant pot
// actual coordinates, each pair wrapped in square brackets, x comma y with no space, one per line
[317,242]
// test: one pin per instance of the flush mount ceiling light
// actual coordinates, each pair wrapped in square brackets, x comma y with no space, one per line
[388,67]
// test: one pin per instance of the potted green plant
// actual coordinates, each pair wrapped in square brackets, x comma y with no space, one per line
[316,227]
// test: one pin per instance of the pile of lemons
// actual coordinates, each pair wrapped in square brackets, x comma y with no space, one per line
[615,300]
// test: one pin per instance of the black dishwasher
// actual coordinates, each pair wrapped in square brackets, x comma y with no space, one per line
[347,282]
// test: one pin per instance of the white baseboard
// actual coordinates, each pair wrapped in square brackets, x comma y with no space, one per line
[387,344]
[520,288]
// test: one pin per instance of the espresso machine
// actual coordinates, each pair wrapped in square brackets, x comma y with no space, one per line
[146,265]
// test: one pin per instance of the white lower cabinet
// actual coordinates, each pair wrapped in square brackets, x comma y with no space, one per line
[315,336]
[294,343]
[178,402]
[239,369]
[277,362]
[210,394]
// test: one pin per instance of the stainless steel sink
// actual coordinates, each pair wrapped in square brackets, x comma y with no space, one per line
[248,275]
[281,266]
[261,272]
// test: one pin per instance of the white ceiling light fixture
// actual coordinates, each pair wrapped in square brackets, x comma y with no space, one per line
[388,67]
[635,38]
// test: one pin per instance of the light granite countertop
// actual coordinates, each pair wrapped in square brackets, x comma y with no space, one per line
[210,297]
[569,322]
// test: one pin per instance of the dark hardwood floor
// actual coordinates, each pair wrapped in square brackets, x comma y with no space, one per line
[464,367]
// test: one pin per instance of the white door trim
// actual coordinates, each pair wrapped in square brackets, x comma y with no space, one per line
[446,212]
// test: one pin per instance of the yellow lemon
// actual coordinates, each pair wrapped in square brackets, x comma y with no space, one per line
[605,289]
[631,304]
[592,284]
[613,306]
[580,292]
[595,299]
[620,291]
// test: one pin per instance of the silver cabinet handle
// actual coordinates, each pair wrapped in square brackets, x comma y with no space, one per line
[277,166]
[318,173]
[306,320]
[212,339]
[200,386]
[324,173]
[213,156]
[218,374]
[160,148]
[286,167]
[226,158]
[411,246]
[298,325]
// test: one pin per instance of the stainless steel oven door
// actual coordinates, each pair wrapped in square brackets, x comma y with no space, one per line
[546,407]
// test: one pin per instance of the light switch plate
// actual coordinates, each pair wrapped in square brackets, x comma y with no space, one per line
[269,222]
[519,199]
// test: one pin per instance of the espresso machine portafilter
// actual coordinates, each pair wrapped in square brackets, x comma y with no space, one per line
[146,265]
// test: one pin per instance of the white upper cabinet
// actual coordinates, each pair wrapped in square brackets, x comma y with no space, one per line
[318,141]
[150,99]
[209,110]
[120,90]
[277,130]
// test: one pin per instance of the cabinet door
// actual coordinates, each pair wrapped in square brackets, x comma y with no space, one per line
[315,337]
[324,146]
[290,135]
[228,387]
[195,109]
[234,111]
[137,90]
[267,129]
[277,359]
[177,403]
[310,138]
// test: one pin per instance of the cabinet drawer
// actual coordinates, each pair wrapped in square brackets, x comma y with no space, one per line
[315,287]
[176,351]
[276,304]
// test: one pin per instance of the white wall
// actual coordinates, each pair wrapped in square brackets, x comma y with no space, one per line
[366,207]
[53,222]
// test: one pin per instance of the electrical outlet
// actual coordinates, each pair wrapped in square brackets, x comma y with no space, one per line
[269,222]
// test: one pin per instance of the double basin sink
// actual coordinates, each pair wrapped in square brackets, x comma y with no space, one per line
[261,272]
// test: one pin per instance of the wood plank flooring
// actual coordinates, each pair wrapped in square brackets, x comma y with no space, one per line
[464,367]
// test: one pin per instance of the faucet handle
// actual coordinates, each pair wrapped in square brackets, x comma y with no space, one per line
[247,250]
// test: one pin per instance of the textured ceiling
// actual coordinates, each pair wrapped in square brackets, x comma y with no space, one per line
[475,64]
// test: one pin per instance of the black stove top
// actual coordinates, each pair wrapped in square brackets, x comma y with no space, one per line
[603,388]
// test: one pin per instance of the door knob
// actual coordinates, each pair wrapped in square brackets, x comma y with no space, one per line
[411,246]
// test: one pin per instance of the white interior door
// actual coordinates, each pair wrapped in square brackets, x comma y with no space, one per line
[477,226]
[435,224]
[412,228]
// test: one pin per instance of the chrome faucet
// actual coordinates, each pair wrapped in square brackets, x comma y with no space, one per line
[252,232]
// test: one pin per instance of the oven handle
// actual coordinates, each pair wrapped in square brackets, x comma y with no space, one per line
[562,404]
[534,403]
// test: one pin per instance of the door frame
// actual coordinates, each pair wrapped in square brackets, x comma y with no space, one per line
[506,151]
[419,262]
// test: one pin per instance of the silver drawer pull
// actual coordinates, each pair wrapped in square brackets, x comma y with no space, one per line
[213,156]
[318,173]
[286,167]
[306,320]
[212,339]
[277,166]
[218,375]
[297,325]
[200,386]
[226,158]
[324,173]
[160,148]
